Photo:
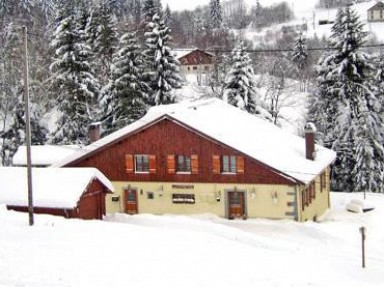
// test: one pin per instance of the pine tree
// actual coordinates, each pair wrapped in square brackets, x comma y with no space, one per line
[300,58]
[240,88]
[216,14]
[14,136]
[167,16]
[348,111]
[128,92]
[74,83]
[162,67]
[106,38]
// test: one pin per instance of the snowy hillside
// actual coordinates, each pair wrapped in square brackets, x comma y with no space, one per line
[306,13]
[148,250]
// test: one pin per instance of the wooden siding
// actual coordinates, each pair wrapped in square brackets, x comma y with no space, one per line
[90,206]
[169,138]
[196,57]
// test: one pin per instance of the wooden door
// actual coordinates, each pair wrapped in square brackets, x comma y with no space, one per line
[131,201]
[236,204]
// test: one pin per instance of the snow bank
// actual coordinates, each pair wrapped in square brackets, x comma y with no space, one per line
[149,250]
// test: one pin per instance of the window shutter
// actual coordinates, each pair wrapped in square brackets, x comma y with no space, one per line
[240,164]
[216,164]
[129,163]
[194,164]
[152,163]
[171,163]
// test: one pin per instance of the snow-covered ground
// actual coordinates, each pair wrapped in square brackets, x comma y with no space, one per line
[201,250]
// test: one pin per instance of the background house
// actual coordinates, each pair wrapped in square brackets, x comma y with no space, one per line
[43,155]
[68,192]
[196,65]
[208,156]
[376,13]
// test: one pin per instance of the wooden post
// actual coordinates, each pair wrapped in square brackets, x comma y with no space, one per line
[362,231]
[27,127]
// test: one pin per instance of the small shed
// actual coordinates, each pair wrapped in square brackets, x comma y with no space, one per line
[68,192]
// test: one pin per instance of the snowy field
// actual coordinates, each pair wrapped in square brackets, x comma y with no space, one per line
[204,250]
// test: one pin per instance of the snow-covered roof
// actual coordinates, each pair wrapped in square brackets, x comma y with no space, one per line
[43,155]
[179,53]
[377,6]
[254,137]
[51,187]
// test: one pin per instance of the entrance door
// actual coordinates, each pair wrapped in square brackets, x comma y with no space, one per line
[131,201]
[236,204]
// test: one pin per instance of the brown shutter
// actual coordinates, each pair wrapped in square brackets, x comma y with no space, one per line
[152,163]
[194,164]
[216,164]
[240,164]
[129,163]
[171,163]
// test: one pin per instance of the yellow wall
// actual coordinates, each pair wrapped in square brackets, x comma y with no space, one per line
[319,205]
[262,201]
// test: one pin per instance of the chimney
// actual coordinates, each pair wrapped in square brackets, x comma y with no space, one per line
[310,132]
[94,132]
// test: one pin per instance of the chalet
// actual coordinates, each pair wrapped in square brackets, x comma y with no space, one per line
[68,192]
[376,13]
[195,65]
[210,157]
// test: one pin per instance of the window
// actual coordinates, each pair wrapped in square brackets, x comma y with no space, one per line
[142,163]
[194,68]
[206,68]
[183,198]
[183,163]
[323,181]
[150,195]
[228,164]
[381,14]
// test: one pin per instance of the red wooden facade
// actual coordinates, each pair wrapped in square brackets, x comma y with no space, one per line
[91,204]
[196,57]
[164,139]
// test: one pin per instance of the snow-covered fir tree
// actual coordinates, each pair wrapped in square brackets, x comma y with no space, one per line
[348,110]
[14,136]
[74,83]
[162,67]
[150,8]
[216,14]
[240,87]
[167,16]
[300,58]
[127,91]
[106,38]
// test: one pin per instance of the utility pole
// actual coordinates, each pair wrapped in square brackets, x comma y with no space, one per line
[27,126]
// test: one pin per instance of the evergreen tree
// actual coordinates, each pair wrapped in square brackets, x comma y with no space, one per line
[349,111]
[106,38]
[216,14]
[128,92]
[167,16]
[300,58]
[162,67]
[240,87]
[73,82]
[14,136]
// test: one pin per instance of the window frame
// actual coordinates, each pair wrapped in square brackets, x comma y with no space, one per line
[228,164]
[144,167]
[183,166]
